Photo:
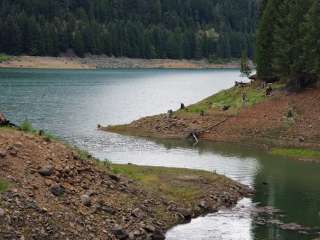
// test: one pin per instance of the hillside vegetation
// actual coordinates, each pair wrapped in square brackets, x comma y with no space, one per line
[136,28]
[288,46]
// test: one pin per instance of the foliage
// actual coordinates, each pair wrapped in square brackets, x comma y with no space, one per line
[4,185]
[4,58]
[137,28]
[26,126]
[288,42]
[83,154]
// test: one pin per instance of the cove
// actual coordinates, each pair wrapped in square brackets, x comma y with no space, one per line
[71,103]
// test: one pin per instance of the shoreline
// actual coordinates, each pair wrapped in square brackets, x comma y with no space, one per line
[46,179]
[104,62]
[284,123]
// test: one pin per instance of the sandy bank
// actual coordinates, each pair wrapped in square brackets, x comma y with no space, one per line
[92,62]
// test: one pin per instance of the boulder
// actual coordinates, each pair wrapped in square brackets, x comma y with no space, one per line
[57,190]
[2,212]
[86,200]
[158,235]
[46,171]
[3,120]
[119,232]
[3,153]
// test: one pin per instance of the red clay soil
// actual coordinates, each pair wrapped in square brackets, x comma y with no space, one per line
[267,123]
[54,193]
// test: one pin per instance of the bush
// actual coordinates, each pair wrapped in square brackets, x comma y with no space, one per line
[26,126]
[4,58]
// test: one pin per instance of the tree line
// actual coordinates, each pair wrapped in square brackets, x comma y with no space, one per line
[288,42]
[175,29]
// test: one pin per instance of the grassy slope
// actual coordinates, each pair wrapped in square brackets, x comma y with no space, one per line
[233,98]
[173,183]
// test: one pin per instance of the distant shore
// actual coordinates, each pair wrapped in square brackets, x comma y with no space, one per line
[104,62]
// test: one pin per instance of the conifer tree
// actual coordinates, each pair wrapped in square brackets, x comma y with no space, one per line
[265,40]
[311,41]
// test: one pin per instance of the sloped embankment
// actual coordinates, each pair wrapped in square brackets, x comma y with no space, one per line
[51,191]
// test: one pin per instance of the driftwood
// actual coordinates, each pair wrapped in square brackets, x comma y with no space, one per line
[195,134]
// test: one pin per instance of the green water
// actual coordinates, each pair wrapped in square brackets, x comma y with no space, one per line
[71,103]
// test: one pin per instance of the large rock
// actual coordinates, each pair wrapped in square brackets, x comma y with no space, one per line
[119,232]
[158,235]
[3,120]
[57,190]
[2,212]
[86,200]
[46,171]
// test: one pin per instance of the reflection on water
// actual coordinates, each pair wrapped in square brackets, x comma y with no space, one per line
[232,224]
[71,103]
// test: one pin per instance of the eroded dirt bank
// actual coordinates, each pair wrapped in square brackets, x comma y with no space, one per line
[51,191]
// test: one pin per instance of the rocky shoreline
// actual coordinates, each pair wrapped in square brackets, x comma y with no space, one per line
[51,191]
[105,62]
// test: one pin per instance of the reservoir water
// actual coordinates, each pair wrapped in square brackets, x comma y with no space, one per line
[71,103]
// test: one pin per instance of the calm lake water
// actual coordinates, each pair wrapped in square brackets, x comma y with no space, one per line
[70,104]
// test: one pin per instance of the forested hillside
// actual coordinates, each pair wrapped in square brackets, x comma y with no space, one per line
[133,28]
[288,42]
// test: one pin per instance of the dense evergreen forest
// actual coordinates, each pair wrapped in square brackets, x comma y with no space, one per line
[176,29]
[288,42]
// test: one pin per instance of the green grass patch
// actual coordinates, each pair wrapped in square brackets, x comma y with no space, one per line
[4,185]
[26,126]
[182,185]
[4,58]
[232,98]
[296,153]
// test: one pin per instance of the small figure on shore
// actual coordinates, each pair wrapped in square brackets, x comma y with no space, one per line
[202,113]
[182,107]
[244,98]
[226,108]
[269,90]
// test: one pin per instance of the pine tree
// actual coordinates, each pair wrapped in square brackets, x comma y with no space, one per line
[287,60]
[265,40]
[311,41]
